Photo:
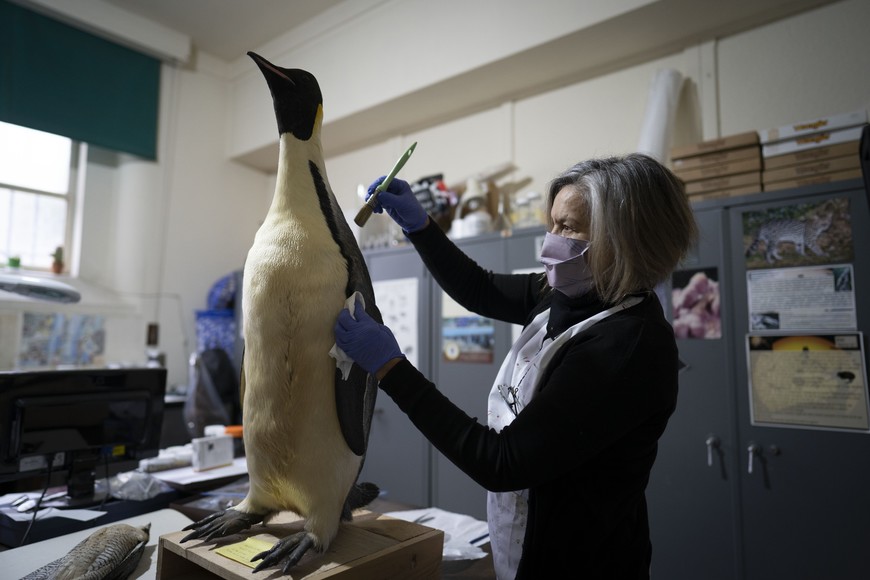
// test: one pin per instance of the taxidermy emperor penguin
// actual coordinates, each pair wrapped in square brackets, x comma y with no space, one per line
[305,427]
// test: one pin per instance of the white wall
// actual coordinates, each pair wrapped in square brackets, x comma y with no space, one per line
[182,223]
[798,68]
[804,67]
[212,212]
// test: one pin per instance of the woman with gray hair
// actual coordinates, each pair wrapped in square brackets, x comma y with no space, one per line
[578,406]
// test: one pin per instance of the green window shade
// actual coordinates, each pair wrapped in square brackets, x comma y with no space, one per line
[62,80]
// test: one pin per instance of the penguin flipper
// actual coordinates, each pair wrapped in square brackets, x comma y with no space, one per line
[354,404]
[355,397]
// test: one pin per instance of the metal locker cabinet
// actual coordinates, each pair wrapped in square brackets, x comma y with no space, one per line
[398,455]
[691,492]
[523,249]
[804,512]
[805,509]
[467,384]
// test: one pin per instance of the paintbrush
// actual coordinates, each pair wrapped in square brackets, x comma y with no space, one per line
[366,210]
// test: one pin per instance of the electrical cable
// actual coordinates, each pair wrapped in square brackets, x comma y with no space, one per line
[108,491]
[50,461]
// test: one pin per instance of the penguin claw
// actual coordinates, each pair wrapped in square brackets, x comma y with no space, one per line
[220,524]
[287,551]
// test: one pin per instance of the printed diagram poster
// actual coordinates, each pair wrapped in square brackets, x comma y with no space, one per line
[397,301]
[465,337]
[819,298]
[54,339]
[811,381]
[806,234]
[695,301]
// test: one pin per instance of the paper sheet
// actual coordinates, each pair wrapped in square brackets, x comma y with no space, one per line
[462,534]
[186,475]
[47,513]
[242,552]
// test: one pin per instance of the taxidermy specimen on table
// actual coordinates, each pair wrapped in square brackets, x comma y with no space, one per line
[112,552]
[306,425]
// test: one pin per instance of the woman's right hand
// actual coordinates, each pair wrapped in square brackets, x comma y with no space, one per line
[400,203]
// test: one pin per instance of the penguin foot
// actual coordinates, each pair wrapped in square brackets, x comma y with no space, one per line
[287,551]
[220,524]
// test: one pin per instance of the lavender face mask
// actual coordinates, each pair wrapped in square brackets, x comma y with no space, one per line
[565,262]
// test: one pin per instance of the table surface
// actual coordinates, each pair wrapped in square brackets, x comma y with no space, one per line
[18,562]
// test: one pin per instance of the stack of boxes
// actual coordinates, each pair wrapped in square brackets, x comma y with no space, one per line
[817,151]
[721,167]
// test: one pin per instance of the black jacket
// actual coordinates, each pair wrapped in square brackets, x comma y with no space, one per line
[584,445]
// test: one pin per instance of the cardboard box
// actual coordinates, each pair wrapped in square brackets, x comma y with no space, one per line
[752,178]
[370,547]
[809,169]
[716,158]
[822,124]
[707,172]
[822,178]
[813,141]
[733,192]
[722,144]
[812,155]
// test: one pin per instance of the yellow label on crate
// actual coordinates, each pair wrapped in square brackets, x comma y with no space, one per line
[242,552]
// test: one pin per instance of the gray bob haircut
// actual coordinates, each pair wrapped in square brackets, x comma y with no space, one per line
[638,219]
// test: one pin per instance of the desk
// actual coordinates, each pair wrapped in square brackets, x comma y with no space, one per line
[20,562]
[11,531]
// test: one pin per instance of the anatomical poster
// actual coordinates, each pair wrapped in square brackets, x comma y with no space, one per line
[792,299]
[397,301]
[803,234]
[49,340]
[695,302]
[816,381]
[465,337]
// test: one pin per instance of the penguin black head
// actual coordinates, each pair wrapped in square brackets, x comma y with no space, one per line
[296,96]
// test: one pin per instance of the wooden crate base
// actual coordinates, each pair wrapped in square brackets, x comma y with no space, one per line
[371,546]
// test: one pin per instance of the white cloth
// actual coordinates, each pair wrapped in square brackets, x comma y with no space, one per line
[342,361]
[514,386]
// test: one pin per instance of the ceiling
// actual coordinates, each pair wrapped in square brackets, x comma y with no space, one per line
[227,29]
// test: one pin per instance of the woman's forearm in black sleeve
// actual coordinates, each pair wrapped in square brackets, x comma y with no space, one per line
[500,296]
[455,434]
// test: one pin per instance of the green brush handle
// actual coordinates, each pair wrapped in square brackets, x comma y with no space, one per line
[368,208]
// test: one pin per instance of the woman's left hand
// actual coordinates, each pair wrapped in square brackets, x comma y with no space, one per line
[370,344]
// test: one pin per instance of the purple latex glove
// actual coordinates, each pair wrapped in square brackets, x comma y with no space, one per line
[370,344]
[401,204]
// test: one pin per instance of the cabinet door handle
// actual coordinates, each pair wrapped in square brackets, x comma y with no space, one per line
[754,450]
[712,442]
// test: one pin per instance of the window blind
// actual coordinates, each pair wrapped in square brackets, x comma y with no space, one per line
[62,80]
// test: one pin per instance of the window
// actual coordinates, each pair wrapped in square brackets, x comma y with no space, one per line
[37,195]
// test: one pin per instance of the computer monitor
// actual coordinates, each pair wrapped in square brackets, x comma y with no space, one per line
[78,420]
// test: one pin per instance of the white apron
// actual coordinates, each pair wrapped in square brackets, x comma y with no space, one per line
[513,388]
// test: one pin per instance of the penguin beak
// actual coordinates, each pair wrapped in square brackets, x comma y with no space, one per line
[267,68]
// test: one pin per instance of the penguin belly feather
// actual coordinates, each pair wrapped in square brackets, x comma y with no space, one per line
[294,286]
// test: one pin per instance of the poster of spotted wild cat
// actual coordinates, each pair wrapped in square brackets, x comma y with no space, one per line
[798,235]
